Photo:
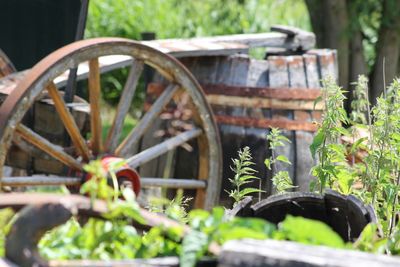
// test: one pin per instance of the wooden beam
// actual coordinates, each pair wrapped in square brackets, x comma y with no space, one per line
[36,180]
[267,123]
[94,101]
[69,122]
[146,121]
[55,151]
[159,149]
[172,183]
[282,93]
[124,105]
[257,102]
[271,253]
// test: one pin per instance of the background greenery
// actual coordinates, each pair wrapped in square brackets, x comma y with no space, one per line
[183,19]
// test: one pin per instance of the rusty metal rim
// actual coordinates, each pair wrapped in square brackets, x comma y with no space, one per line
[23,96]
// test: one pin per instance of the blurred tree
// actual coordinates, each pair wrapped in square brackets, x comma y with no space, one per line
[366,34]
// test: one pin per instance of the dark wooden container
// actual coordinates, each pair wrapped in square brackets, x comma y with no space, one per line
[347,215]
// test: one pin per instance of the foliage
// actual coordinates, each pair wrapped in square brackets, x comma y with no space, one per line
[6,220]
[174,209]
[383,160]
[281,179]
[183,19]
[360,103]
[332,163]
[244,174]
[375,178]
[312,232]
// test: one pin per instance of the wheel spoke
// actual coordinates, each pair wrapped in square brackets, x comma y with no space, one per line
[159,149]
[123,105]
[94,98]
[146,121]
[55,151]
[69,122]
[172,183]
[39,180]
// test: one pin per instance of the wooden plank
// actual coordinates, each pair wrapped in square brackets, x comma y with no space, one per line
[196,48]
[37,180]
[271,253]
[94,100]
[255,137]
[303,139]
[154,262]
[258,102]
[281,123]
[326,62]
[157,150]
[279,77]
[69,122]
[172,183]
[145,122]
[124,105]
[287,37]
[41,143]
[281,93]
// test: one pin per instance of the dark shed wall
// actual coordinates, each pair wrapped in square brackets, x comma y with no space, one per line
[31,29]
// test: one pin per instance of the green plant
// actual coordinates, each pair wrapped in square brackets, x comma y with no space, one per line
[244,174]
[332,163]
[174,209]
[378,171]
[6,219]
[281,179]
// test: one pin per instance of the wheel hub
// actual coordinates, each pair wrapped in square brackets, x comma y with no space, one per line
[125,174]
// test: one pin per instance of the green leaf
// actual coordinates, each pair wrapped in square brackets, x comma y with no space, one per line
[282,158]
[358,144]
[317,142]
[312,232]
[249,190]
[194,246]
[267,163]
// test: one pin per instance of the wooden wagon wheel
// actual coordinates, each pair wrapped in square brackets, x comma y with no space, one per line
[41,80]
[6,66]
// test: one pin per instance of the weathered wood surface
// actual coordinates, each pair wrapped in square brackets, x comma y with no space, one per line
[162,148]
[235,71]
[284,37]
[271,253]
[6,66]
[279,77]
[94,100]
[249,96]
[162,262]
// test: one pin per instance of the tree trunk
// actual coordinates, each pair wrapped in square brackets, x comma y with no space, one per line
[357,62]
[387,49]
[317,14]
[329,20]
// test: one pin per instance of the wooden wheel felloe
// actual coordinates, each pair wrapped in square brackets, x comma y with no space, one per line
[42,83]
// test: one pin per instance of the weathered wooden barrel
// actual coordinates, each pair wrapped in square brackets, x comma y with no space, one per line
[346,215]
[249,96]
